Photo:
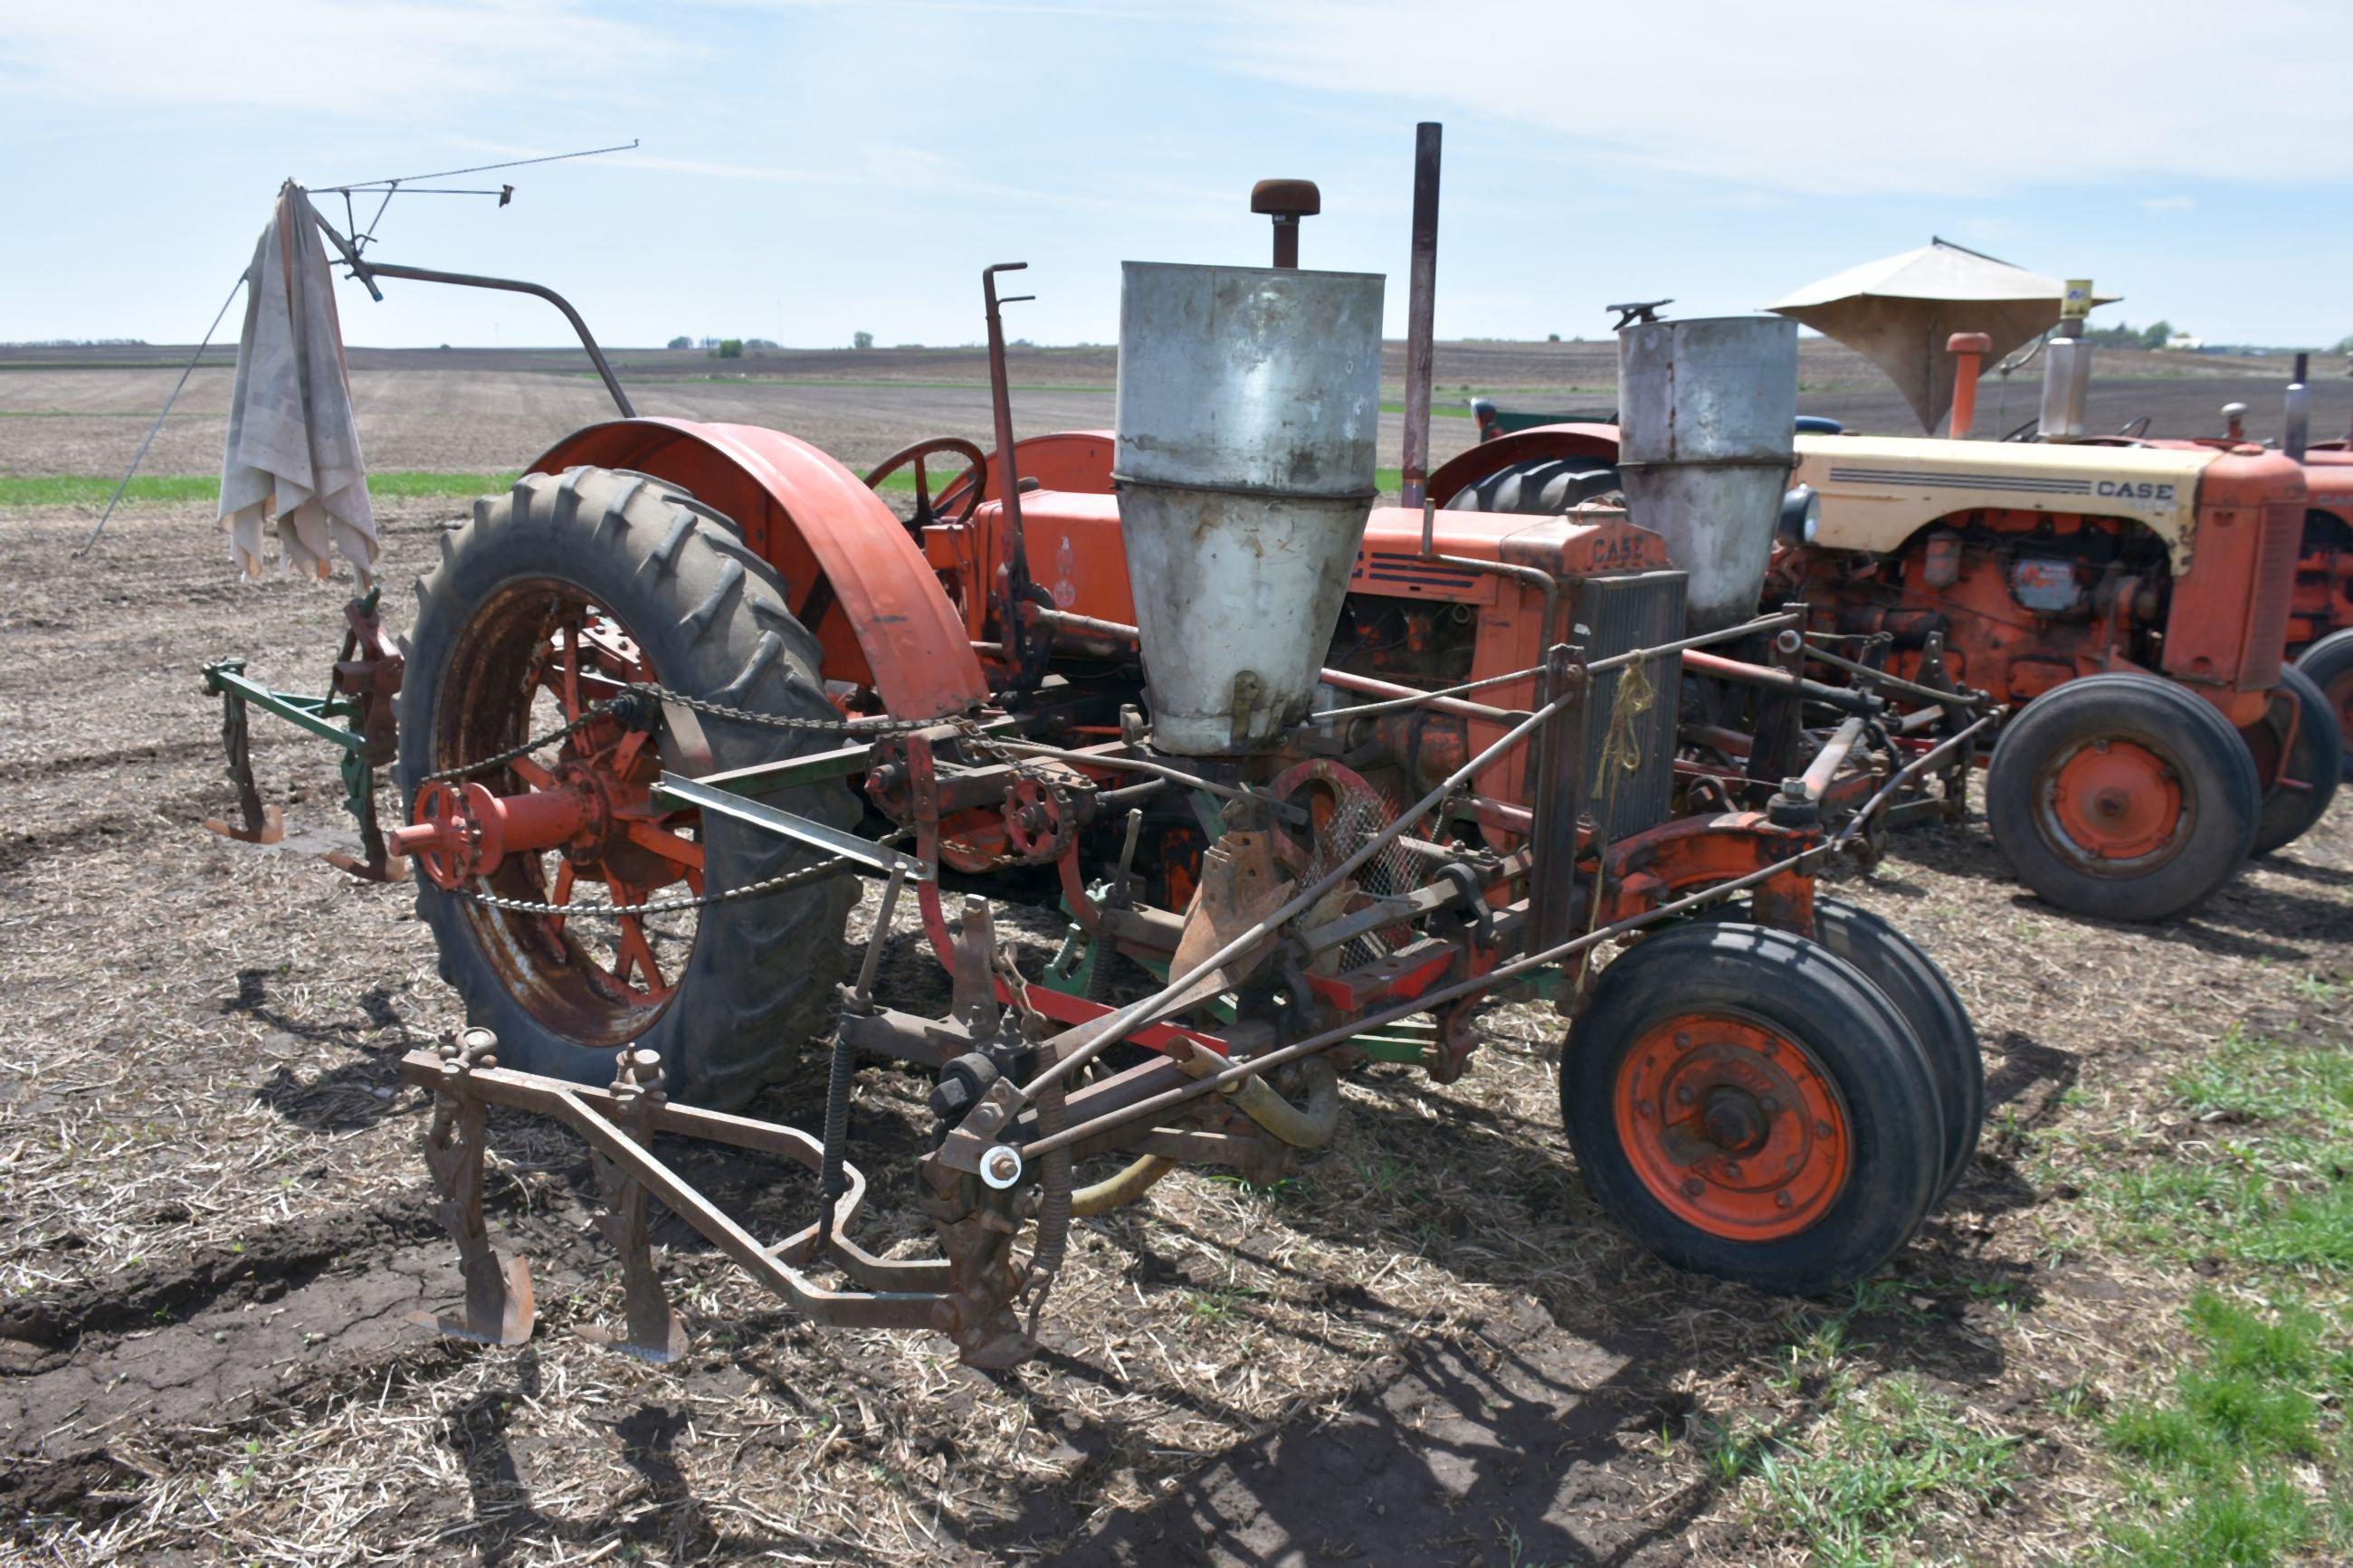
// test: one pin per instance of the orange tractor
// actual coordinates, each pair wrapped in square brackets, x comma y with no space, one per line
[2320,610]
[2133,598]
[1312,780]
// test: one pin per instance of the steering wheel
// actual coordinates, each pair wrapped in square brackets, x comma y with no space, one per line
[976,470]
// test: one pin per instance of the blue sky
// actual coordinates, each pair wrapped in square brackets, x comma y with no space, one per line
[810,169]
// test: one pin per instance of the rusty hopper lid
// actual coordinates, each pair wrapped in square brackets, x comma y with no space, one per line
[1897,311]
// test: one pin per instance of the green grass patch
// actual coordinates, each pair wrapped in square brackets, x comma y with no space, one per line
[2245,1458]
[2266,1185]
[2211,1470]
[1884,1458]
[79,489]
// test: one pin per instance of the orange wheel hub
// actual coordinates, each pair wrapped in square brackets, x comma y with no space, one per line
[2113,801]
[1733,1126]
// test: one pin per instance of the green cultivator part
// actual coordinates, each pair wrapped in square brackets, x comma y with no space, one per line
[356,714]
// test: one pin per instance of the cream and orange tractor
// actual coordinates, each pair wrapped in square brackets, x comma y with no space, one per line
[2131,601]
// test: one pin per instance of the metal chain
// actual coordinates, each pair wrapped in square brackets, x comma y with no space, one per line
[782,721]
[838,866]
[589,716]
[663,694]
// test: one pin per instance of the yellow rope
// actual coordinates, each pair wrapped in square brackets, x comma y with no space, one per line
[1621,756]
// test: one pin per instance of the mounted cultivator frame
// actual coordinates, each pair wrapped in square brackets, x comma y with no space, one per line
[1313,780]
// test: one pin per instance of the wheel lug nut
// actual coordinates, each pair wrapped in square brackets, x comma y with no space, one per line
[1821,1129]
[1731,1170]
[1781,1199]
[1682,1041]
[1694,1187]
[1770,1103]
[1684,1095]
[1645,1109]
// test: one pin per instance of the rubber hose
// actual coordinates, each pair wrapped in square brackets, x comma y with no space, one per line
[1119,1191]
[1310,1128]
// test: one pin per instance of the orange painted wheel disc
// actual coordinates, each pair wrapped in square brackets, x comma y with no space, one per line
[1733,1126]
[2114,802]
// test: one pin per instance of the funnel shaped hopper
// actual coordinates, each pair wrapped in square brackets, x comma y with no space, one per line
[1249,401]
[1707,425]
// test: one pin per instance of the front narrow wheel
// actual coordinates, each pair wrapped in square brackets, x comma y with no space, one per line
[2124,796]
[1748,1105]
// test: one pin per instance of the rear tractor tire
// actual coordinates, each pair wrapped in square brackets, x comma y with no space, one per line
[2123,796]
[2300,775]
[1745,1104]
[2329,663]
[552,595]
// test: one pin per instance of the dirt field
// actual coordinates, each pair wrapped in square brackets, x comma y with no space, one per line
[1428,1347]
[489,411]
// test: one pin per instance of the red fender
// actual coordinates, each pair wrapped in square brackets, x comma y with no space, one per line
[1463,470]
[1078,460]
[851,573]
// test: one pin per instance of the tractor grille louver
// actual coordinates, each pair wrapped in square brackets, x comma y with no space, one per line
[1617,614]
[2267,605]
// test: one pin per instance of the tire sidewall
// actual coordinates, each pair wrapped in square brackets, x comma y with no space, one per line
[2327,662]
[2289,814]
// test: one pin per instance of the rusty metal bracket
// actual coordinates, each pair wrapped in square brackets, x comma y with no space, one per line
[898,1294]
[497,1308]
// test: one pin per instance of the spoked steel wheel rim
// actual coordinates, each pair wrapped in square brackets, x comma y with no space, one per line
[536,655]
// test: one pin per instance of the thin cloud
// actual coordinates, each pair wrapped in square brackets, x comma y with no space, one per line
[1864,98]
[2170,203]
[371,57]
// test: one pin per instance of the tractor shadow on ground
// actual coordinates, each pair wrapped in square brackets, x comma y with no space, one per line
[2284,863]
[512,1523]
[1523,1437]
[344,1099]
[2243,920]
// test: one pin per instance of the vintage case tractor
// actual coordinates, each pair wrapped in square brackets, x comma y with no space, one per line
[2132,598]
[1314,781]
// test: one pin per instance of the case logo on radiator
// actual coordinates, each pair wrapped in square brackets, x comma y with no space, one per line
[2135,490]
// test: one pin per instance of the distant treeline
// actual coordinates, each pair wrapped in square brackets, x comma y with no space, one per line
[77,343]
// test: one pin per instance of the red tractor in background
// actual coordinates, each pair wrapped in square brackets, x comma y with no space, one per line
[2320,615]
[2320,611]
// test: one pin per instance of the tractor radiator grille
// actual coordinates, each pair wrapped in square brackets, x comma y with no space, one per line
[2267,605]
[1614,614]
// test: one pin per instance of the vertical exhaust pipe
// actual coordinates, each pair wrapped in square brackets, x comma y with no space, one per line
[2066,368]
[1421,301]
[2295,439]
[1967,350]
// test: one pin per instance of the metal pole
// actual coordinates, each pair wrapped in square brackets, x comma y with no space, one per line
[1420,309]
